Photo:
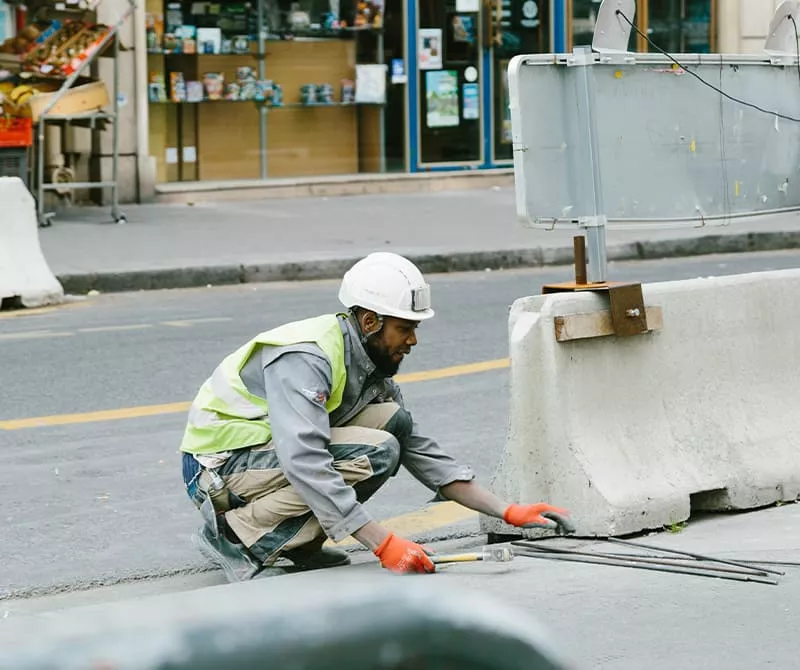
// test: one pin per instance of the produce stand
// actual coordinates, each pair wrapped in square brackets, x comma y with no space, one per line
[47,67]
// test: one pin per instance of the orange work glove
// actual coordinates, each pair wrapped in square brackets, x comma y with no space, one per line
[540,515]
[401,556]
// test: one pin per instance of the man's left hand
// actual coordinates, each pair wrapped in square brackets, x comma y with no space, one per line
[540,515]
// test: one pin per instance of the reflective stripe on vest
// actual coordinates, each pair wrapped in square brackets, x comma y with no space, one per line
[226,416]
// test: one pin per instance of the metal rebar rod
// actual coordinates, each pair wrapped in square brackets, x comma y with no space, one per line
[654,560]
[678,558]
[644,566]
[700,557]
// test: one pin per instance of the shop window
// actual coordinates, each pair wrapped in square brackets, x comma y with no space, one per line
[449,83]
[681,26]
[322,91]
[524,28]
[677,26]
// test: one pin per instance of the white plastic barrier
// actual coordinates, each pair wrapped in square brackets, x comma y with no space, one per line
[24,272]
[632,433]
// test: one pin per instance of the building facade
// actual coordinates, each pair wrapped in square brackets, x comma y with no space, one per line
[248,90]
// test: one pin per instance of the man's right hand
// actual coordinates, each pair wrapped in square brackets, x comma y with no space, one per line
[403,556]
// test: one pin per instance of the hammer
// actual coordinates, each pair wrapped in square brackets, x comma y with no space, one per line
[487,553]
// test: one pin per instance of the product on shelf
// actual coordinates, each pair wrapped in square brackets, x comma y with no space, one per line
[369,14]
[348,91]
[246,79]
[325,94]
[65,49]
[316,94]
[214,83]
[157,89]
[276,99]
[187,35]
[15,99]
[194,91]
[171,43]
[232,91]
[29,37]
[177,87]
[154,25]
[298,19]
[209,40]
[308,94]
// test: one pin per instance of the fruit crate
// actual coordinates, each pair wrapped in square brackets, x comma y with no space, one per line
[15,132]
[14,163]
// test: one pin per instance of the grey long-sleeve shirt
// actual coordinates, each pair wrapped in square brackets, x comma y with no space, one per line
[297,381]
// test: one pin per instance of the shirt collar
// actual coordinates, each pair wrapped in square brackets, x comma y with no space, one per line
[355,354]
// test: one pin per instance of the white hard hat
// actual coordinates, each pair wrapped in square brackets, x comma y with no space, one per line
[389,285]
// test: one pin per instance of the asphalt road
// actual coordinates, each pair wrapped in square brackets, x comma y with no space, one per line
[96,502]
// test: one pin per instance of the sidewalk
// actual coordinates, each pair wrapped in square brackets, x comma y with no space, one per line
[597,616]
[180,245]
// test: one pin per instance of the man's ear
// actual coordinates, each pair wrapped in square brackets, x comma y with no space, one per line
[369,322]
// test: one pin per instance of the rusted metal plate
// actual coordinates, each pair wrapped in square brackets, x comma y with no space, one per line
[628,315]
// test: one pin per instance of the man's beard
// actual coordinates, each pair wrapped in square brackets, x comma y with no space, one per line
[382,359]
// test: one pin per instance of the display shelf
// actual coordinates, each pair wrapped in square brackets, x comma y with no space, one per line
[108,45]
[289,58]
[260,103]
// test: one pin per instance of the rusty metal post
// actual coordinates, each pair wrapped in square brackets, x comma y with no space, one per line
[579,245]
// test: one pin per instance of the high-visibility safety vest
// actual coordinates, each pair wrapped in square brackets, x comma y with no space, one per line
[226,416]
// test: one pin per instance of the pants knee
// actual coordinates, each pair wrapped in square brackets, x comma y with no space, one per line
[385,459]
[400,425]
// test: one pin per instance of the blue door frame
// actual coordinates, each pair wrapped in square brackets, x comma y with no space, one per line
[559,21]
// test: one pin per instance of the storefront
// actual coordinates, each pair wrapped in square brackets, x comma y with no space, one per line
[335,87]
[271,89]
[248,90]
[458,89]
[436,71]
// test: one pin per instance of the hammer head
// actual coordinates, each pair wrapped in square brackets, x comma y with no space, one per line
[498,554]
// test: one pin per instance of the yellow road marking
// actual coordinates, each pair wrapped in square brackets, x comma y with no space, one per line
[37,311]
[90,417]
[185,323]
[177,407]
[35,334]
[455,371]
[426,519]
[106,329]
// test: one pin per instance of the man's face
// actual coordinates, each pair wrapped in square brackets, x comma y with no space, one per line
[388,348]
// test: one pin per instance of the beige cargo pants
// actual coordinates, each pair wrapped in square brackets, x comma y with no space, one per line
[267,514]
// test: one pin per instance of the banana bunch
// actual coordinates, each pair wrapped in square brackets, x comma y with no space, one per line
[17,98]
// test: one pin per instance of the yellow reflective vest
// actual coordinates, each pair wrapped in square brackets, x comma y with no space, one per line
[226,416]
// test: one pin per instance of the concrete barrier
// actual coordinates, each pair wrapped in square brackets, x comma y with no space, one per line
[345,619]
[24,273]
[635,433]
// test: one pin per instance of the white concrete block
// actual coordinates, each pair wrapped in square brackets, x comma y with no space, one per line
[625,431]
[23,269]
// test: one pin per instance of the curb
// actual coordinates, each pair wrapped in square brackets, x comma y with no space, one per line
[218,275]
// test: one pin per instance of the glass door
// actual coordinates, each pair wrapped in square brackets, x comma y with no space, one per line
[521,27]
[449,81]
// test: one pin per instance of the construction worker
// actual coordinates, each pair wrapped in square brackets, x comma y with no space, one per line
[294,430]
